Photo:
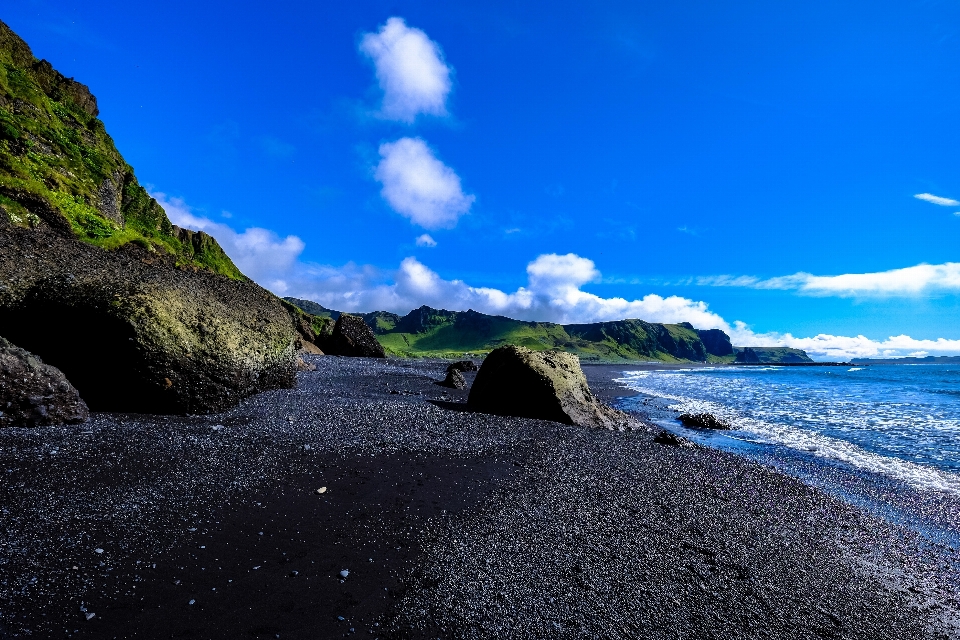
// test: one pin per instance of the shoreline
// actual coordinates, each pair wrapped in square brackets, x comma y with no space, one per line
[477,526]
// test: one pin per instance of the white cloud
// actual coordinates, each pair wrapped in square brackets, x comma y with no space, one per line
[417,185]
[840,348]
[410,69]
[943,202]
[259,253]
[908,281]
[552,294]
[426,241]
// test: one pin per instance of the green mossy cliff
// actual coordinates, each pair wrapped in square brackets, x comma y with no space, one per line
[59,169]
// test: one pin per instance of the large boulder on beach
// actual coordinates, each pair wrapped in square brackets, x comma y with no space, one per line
[549,385]
[134,332]
[33,393]
[353,337]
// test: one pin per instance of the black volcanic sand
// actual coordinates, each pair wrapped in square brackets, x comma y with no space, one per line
[451,524]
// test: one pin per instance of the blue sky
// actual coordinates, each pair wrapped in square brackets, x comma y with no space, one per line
[750,162]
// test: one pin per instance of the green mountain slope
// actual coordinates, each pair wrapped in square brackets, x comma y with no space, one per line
[427,332]
[59,169]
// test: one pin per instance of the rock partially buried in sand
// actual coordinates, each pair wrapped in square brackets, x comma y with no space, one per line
[352,337]
[454,380]
[549,385]
[671,439]
[702,421]
[35,394]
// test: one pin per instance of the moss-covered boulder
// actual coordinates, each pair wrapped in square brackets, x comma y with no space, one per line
[352,337]
[548,385]
[33,393]
[133,331]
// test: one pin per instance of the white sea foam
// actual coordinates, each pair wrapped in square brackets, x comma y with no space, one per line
[762,424]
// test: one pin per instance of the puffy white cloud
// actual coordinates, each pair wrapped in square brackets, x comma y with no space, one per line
[943,202]
[425,241]
[259,253]
[410,69]
[417,185]
[907,281]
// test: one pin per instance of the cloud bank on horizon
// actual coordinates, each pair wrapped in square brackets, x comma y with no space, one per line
[554,292]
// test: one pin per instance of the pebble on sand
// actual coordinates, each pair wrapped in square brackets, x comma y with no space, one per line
[321,490]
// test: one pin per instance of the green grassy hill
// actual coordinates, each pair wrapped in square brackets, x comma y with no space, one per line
[427,332]
[60,170]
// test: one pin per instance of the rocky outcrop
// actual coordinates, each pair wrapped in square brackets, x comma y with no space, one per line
[463,365]
[454,380]
[353,337]
[548,385]
[33,393]
[133,332]
[702,421]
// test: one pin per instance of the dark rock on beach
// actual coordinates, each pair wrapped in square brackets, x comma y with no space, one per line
[33,393]
[454,379]
[671,439]
[549,385]
[463,365]
[132,332]
[353,337]
[702,421]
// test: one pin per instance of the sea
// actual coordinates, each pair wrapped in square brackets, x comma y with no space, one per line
[886,437]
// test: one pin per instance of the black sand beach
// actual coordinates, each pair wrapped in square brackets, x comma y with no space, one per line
[450,524]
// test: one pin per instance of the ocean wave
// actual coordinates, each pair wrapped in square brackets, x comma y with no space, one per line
[809,442]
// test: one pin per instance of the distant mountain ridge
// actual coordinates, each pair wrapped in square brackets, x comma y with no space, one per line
[442,333]
[770,355]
